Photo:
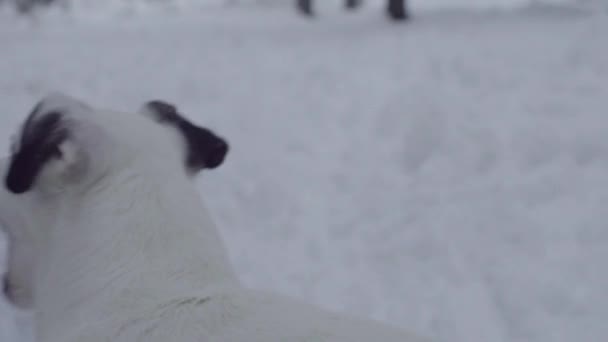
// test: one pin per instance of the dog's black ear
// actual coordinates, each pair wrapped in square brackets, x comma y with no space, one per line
[41,140]
[204,149]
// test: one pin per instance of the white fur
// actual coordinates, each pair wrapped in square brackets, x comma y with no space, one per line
[130,254]
[20,219]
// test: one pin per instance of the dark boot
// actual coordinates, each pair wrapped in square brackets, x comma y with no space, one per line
[305,6]
[396,10]
[352,4]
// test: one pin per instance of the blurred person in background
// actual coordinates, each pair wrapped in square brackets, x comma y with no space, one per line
[396,9]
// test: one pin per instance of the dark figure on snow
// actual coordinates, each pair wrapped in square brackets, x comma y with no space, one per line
[26,6]
[396,9]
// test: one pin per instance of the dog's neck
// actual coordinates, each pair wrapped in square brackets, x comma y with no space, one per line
[133,242]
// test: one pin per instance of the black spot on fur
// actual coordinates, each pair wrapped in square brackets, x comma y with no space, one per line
[41,136]
[205,148]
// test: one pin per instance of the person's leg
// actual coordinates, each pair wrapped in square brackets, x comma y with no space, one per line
[397,9]
[352,4]
[305,6]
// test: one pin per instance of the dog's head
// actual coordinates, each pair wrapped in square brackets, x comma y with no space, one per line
[65,142]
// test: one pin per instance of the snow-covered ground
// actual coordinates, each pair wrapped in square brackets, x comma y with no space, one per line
[449,175]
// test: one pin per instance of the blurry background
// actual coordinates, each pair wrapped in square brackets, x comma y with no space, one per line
[448,174]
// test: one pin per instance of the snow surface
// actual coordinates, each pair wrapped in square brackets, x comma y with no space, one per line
[449,175]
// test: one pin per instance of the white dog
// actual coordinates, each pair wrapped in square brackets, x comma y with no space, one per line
[117,245]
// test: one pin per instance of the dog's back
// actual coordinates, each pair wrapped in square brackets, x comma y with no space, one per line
[243,316]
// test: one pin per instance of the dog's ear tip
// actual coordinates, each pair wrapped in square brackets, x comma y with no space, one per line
[217,154]
[160,108]
[161,104]
[15,186]
[222,145]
